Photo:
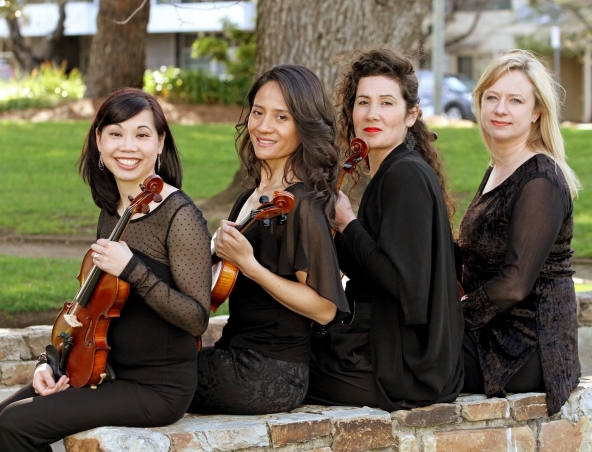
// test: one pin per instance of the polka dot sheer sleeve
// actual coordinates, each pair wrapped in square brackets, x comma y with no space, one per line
[174,234]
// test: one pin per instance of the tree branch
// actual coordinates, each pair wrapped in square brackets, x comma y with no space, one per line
[123,22]
[480,8]
[578,13]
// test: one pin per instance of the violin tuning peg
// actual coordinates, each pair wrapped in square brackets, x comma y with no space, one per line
[145,209]
[266,223]
[142,187]
[157,197]
[263,199]
[130,197]
[283,218]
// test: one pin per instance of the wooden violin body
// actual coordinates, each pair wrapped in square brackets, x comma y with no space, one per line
[224,273]
[87,361]
[79,333]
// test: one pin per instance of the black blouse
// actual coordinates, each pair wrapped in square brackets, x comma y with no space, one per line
[304,242]
[399,256]
[153,341]
[516,255]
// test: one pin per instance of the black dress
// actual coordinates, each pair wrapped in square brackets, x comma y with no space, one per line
[260,364]
[399,256]
[515,244]
[153,342]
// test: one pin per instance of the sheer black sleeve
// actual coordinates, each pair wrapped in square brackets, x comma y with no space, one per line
[308,246]
[188,244]
[535,220]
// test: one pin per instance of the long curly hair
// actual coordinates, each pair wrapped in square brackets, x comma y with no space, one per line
[391,64]
[315,161]
[121,105]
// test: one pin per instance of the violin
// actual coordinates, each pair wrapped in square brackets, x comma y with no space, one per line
[79,333]
[224,273]
[359,150]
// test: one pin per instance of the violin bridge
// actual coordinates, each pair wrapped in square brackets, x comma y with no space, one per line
[72,320]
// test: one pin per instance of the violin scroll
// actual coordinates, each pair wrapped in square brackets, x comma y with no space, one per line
[359,150]
[151,188]
[359,146]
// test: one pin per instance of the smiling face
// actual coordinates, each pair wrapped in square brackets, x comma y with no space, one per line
[380,113]
[508,109]
[130,148]
[272,128]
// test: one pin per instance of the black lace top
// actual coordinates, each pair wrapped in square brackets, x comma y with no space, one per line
[153,342]
[516,255]
[304,242]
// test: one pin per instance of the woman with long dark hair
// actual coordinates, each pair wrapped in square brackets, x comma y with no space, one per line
[164,257]
[288,269]
[402,349]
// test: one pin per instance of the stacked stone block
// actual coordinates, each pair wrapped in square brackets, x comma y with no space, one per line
[473,423]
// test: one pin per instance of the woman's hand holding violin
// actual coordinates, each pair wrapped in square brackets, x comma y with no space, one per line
[344,213]
[111,257]
[44,382]
[232,246]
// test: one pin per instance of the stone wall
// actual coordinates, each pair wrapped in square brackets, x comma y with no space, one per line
[473,423]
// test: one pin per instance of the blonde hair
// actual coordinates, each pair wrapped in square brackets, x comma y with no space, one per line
[545,136]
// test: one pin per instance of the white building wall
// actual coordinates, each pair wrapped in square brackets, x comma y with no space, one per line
[160,50]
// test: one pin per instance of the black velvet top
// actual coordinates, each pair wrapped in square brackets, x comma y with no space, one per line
[399,256]
[153,341]
[516,255]
[304,242]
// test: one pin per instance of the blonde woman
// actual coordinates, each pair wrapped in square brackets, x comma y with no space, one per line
[520,306]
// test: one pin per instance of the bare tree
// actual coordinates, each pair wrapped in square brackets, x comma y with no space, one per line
[23,53]
[118,50]
[313,33]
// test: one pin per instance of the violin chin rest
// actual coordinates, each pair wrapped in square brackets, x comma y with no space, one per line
[53,359]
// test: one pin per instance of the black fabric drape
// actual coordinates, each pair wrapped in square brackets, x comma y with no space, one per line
[399,256]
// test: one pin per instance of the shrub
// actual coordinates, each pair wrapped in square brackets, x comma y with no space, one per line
[195,87]
[46,86]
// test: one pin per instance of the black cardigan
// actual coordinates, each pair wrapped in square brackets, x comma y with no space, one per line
[399,255]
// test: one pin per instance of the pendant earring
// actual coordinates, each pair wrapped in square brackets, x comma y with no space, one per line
[158,163]
[101,163]
[410,141]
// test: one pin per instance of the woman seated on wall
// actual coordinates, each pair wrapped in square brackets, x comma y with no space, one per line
[289,274]
[403,347]
[514,240]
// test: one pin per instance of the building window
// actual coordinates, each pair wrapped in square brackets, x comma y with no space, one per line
[475,5]
[465,66]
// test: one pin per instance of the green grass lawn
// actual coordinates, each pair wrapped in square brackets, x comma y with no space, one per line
[39,284]
[44,195]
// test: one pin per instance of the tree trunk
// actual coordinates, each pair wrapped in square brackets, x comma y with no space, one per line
[118,50]
[315,33]
[26,59]
[23,54]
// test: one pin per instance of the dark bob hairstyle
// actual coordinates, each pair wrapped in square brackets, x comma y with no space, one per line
[120,106]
